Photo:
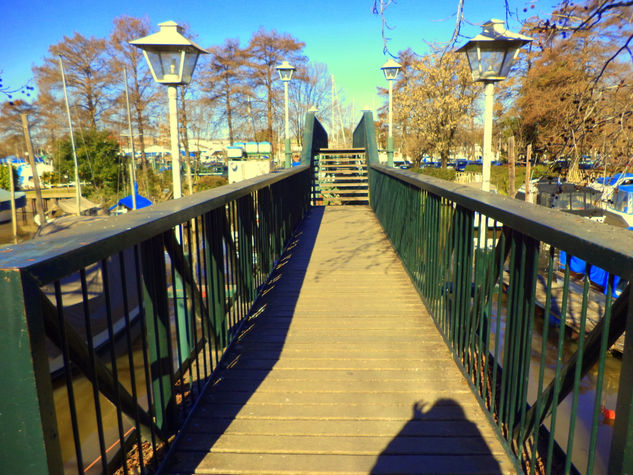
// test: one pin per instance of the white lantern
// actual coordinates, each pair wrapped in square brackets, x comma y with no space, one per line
[285,71]
[171,57]
[391,69]
[492,52]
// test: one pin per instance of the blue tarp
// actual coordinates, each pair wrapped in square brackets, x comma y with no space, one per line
[141,201]
[614,179]
[596,274]
[13,159]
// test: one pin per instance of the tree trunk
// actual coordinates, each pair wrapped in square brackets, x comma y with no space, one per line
[528,173]
[444,158]
[185,139]
[229,117]
[511,169]
[141,136]
[269,130]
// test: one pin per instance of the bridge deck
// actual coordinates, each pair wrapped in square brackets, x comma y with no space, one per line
[342,371]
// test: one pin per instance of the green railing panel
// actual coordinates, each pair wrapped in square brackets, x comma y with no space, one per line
[314,138]
[170,284]
[483,264]
[365,137]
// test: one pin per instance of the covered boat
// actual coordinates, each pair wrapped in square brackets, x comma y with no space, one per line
[5,204]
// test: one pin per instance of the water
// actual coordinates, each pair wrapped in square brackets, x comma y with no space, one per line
[586,395]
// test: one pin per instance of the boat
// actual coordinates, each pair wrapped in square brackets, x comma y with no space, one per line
[607,184]
[620,206]
[5,204]
[586,201]
[568,197]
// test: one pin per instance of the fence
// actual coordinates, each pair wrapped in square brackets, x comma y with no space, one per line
[110,331]
[530,301]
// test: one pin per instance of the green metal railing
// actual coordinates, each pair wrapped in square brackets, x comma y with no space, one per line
[315,138]
[532,336]
[110,332]
[364,136]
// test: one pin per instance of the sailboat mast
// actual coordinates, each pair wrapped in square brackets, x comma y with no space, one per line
[72,140]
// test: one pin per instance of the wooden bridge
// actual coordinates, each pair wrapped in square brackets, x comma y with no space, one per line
[340,370]
[255,331]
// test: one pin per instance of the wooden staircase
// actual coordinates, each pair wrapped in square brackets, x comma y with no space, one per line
[340,177]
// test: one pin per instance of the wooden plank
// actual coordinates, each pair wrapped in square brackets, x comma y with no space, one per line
[201,462]
[343,370]
[344,445]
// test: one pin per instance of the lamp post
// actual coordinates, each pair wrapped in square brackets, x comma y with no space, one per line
[390,69]
[172,59]
[490,56]
[285,71]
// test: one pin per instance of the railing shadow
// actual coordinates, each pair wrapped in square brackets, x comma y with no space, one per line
[437,439]
[254,353]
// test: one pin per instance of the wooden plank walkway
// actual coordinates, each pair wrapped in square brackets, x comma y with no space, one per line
[342,371]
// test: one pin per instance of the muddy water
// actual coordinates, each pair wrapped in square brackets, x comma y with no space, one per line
[586,396]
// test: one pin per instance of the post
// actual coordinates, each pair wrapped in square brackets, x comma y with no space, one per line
[621,456]
[29,439]
[133,154]
[390,138]
[185,141]
[72,140]
[511,167]
[133,187]
[39,203]
[287,133]
[14,217]
[528,174]
[172,94]
[489,91]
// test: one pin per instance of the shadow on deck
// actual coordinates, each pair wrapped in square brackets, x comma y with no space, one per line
[340,368]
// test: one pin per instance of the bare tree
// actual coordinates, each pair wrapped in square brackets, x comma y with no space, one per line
[141,86]
[310,88]
[223,80]
[88,76]
[267,50]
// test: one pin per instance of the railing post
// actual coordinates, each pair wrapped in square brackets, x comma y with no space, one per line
[29,441]
[621,458]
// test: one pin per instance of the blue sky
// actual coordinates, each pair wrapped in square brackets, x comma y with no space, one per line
[343,34]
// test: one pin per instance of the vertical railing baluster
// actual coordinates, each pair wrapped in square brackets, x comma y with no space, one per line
[113,360]
[608,299]
[539,391]
[559,365]
[143,314]
[68,376]
[130,352]
[577,372]
[93,368]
